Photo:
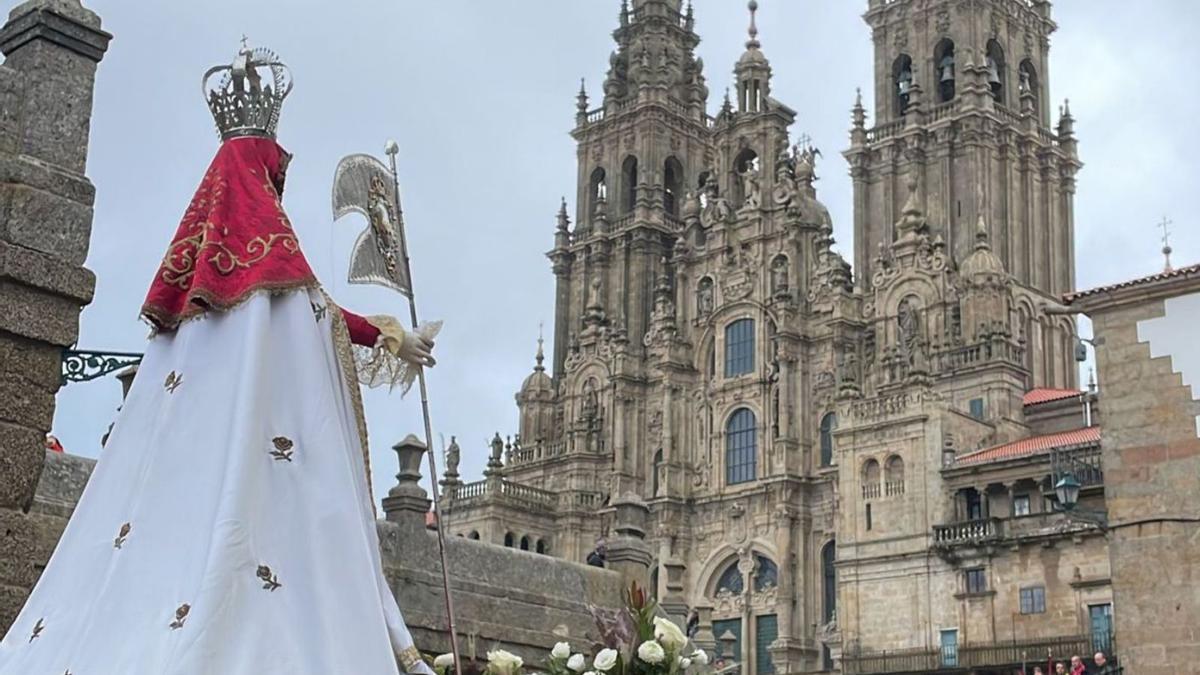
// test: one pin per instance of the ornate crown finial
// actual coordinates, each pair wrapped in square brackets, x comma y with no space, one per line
[240,104]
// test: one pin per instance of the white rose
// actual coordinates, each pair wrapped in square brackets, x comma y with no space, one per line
[444,661]
[561,650]
[501,662]
[651,652]
[700,657]
[577,663]
[605,660]
[668,634]
[685,663]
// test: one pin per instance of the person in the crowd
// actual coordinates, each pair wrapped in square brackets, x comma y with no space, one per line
[1077,667]
[1103,667]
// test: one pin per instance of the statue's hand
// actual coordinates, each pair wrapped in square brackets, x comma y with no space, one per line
[402,344]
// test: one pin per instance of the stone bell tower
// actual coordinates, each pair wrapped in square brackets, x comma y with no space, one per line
[962,112]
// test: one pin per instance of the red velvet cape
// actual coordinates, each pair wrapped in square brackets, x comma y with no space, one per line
[235,240]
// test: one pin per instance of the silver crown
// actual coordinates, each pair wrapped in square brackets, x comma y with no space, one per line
[240,104]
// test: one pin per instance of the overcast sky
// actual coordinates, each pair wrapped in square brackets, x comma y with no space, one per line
[480,95]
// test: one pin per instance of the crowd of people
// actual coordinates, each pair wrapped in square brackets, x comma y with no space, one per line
[1075,666]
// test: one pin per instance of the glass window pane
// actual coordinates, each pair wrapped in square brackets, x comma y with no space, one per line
[740,447]
[739,348]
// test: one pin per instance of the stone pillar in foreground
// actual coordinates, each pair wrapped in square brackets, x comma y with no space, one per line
[51,49]
[628,552]
[408,501]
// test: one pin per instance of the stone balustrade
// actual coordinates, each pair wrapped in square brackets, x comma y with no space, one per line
[970,532]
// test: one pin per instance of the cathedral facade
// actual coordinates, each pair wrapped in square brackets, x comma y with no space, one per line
[814,445]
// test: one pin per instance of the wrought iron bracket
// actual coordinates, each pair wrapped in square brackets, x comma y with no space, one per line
[83,366]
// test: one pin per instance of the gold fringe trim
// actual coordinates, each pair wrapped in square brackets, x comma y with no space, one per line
[345,356]
[200,302]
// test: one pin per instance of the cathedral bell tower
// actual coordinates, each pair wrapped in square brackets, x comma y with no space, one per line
[962,111]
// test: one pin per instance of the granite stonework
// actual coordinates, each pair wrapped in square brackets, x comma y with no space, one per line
[520,601]
[1152,465]
[52,49]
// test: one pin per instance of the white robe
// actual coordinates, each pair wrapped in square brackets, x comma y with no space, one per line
[250,459]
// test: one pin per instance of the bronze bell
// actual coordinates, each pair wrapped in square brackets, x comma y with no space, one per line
[947,67]
[993,72]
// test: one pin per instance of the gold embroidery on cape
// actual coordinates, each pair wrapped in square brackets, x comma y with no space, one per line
[179,263]
[37,630]
[283,449]
[270,580]
[180,616]
[122,535]
[172,382]
[409,658]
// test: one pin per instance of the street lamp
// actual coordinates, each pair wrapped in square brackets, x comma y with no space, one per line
[1067,490]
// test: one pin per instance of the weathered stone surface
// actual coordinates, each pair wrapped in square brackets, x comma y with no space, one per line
[63,478]
[22,451]
[11,89]
[56,46]
[22,404]
[30,313]
[35,363]
[46,273]
[45,222]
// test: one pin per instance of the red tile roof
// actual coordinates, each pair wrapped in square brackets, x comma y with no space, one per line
[1161,276]
[1044,395]
[1034,445]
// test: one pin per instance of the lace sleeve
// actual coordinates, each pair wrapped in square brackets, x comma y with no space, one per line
[377,366]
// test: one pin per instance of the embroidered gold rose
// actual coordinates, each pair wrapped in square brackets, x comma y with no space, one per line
[172,382]
[270,581]
[180,616]
[37,630]
[122,535]
[283,449]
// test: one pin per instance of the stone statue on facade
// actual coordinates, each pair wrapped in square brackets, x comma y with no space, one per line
[453,455]
[751,187]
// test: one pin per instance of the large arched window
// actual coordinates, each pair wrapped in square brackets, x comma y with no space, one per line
[946,68]
[828,424]
[870,480]
[829,581]
[672,186]
[766,576]
[996,71]
[739,348]
[629,182]
[740,447]
[902,80]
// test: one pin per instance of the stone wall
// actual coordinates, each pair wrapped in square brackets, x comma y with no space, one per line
[1152,467]
[52,48]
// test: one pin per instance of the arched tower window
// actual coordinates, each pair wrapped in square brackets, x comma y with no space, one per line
[946,68]
[474,536]
[902,80]
[525,543]
[541,546]
[828,424]
[893,476]
[739,347]
[672,185]
[996,71]
[741,447]
[597,189]
[1029,81]
[829,581]
[508,539]
[629,183]
[870,473]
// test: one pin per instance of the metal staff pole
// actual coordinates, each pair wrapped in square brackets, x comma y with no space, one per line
[391,149]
